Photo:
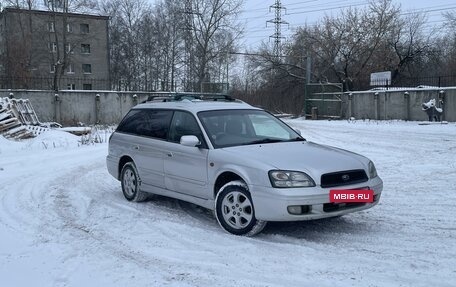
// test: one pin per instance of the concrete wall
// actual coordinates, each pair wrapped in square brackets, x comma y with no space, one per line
[71,107]
[386,105]
[109,107]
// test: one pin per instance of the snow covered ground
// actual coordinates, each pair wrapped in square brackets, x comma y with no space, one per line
[64,221]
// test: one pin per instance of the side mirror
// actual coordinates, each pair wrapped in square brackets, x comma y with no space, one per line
[191,141]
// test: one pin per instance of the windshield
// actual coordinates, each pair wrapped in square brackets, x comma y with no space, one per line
[227,128]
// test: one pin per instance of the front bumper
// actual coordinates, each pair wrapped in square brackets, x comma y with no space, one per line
[271,203]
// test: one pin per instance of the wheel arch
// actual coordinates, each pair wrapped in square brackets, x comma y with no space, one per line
[123,160]
[225,177]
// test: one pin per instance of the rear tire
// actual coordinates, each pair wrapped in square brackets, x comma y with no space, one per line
[131,183]
[235,212]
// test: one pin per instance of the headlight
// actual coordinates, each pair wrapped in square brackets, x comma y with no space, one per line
[287,179]
[372,170]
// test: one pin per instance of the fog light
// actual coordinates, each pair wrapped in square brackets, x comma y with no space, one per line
[294,209]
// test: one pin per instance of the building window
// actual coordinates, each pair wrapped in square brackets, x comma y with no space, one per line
[87,68]
[70,69]
[87,87]
[85,48]
[51,27]
[71,87]
[69,28]
[68,48]
[53,47]
[84,28]
[52,69]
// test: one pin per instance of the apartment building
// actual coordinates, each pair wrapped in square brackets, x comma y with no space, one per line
[53,50]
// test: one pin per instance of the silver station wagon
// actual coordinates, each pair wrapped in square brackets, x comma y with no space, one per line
[240,161]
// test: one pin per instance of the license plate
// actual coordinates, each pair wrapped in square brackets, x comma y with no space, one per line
[351,195]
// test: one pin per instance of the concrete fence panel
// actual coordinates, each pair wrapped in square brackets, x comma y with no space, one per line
[397,104]
[109,107]
[73,107]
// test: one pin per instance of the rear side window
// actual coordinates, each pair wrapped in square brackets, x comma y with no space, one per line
[147,122]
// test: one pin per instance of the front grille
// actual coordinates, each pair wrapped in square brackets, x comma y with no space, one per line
[331,207]
[342,178]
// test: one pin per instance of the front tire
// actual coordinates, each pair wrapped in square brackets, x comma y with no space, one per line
[131,183]
[235,212]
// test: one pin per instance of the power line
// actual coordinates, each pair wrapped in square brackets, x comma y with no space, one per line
[424,9]
[329,3]
[431,11]
[305,7]
[428,11]
[327,9]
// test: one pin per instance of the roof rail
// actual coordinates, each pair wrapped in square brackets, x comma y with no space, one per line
[192,96]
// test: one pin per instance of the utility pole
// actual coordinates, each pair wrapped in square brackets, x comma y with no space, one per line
[278,22]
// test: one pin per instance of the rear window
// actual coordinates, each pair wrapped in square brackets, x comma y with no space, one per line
[147,122]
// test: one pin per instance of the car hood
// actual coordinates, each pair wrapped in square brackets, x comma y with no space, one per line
[311,158]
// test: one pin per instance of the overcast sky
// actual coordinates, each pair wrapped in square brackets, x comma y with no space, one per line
[298,12]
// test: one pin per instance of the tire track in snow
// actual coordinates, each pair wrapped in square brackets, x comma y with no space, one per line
[22,195]
[173,227]
[80,222]
[90,212]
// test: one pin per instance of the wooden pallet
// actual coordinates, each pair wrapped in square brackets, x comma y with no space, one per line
[18,119]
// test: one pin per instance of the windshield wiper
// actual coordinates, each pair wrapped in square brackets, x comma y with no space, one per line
[297,139]
[274,140]
[265,140]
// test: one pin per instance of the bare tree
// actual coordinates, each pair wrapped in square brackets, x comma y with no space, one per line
[214,32]
[409,43]
[145,43]
[343,48]
[450,19]
[151,47]
[18,4]
[125,37]
[166,42]
[447,44]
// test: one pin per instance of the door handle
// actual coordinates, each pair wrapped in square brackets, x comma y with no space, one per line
[169,154]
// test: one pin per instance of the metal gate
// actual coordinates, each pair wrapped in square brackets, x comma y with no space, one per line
[323,100]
